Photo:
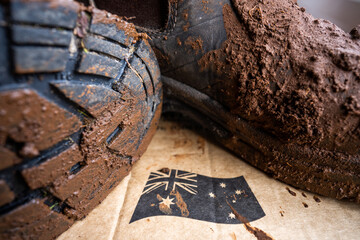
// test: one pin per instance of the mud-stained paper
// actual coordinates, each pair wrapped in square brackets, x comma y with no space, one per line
[185,187]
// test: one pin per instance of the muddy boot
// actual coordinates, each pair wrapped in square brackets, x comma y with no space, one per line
[267,80]
[80,99]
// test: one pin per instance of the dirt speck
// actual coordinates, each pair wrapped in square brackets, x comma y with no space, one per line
[186,27]
[165,170]
[195,43]
[178,41]
[291,192]
[165,209]
[205,8]
[161,57]
[29,150]
[317,199]
[185,14]
[180,143]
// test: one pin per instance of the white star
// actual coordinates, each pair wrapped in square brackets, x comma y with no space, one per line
[223,185]
[231,216]
[167,201]
[238,192]
[233,201]
[212,195]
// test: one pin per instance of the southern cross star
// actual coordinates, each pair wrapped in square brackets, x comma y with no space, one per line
[167,201]
[231,216]
[238,192]
[212,195]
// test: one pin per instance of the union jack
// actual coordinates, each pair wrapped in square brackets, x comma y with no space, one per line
[173,179]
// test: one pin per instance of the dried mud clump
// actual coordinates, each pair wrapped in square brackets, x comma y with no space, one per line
[286,72]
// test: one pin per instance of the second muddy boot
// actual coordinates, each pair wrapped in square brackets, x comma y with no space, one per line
[272,83]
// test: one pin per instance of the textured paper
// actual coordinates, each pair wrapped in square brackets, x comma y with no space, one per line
[176,148]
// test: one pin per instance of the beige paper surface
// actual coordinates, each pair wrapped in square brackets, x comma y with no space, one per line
[176,148]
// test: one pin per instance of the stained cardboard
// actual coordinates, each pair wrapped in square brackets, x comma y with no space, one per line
[287,216]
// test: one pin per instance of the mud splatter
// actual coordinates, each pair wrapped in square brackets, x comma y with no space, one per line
[165,209]
[317,199]
[185,14]
[291,192]
[205,8]
[180,203]
[162,206]
[195,43]
[165,170]
[186,27]
[258,233]
[178,41]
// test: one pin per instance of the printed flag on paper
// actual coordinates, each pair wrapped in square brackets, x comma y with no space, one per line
[184,194]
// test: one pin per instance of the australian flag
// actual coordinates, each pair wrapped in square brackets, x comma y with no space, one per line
[185,194]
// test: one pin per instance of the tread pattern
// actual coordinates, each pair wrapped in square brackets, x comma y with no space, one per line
[6,194]
[105,66]
[51,14]
[22,125]
[112,33]
[52,169]
[8,158]
[39,219]
[101,95]
[80,100]
[39,59]
[100,45]
[39,35]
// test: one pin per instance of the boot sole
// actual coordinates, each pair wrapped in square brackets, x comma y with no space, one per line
[323,172]
[80,100]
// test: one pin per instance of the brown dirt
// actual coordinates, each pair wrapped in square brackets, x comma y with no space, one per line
[196,43]
[180,203]
[33,123]
[186,27]
[185,14]
[258,233]
[291,192]
[6,195]
[293,75]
